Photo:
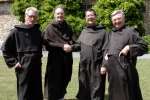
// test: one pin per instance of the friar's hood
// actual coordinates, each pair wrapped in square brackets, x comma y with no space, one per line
[23,26]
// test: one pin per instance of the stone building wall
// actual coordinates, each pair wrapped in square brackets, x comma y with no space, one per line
[7,20]
[147,16]
[4,8]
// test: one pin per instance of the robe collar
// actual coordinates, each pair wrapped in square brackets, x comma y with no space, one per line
[59,24]
[120,29]
[23,26]
[95,27]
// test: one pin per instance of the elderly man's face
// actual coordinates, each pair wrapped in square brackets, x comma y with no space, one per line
[118,21]
[30,18]
[59,15]
[90,18]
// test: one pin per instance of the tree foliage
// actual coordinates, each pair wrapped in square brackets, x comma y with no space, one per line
[19,6]
[147,39]
[133,11]
[73,12]
[75,15]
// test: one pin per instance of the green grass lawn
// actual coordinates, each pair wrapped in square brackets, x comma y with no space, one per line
[8,80]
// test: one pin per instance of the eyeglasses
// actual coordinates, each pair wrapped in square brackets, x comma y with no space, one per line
[32,15]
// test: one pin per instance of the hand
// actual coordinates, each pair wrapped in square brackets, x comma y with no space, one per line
[103,70]
[106,57]
[125,50]
[67,48]
[17,66]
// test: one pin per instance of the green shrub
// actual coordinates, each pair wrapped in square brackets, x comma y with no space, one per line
[75,14]
[19,6]
[77,24]
[133,11]
[147,39]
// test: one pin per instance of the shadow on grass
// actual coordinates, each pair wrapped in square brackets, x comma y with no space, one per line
[106,98]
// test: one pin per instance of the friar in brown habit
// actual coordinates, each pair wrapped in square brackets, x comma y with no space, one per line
[124,47]
[23,51]
[92,44]
[58,40]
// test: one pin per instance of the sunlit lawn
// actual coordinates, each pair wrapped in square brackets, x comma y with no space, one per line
[8,80]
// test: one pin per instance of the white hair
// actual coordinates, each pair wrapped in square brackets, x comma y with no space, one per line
[118,12]
[33,9]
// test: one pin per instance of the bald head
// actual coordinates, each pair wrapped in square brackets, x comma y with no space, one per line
[59,14]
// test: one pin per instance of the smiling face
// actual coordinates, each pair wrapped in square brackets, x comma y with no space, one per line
[30,17]
[118,20]
[90,18]
[59,14]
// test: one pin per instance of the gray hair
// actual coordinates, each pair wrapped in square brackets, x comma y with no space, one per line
[33,9]
[59,6]
[118,12]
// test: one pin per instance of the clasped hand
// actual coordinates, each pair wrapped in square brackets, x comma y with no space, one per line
[67,48]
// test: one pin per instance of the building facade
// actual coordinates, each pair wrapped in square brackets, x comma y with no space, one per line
[147,17]
[87,4]
[7,20]
[5,6]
